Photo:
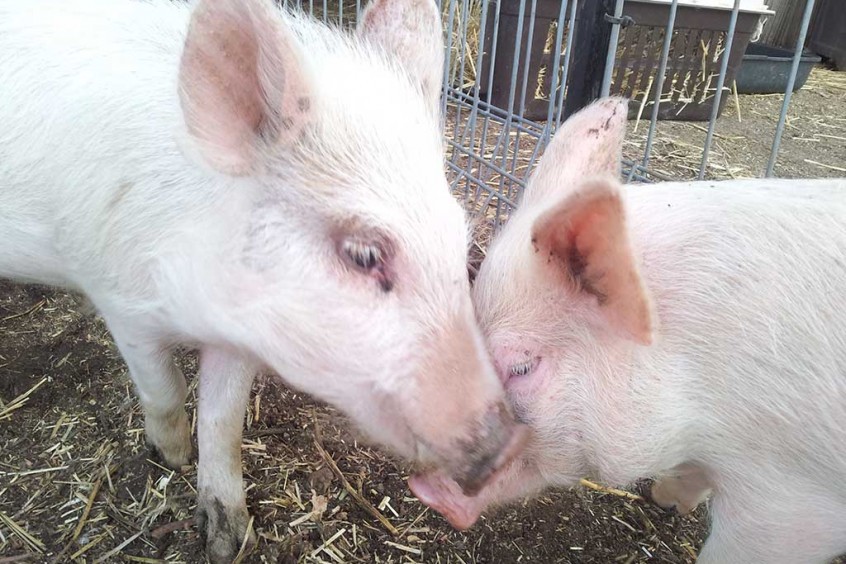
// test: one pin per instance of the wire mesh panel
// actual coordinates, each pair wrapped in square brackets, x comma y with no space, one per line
[503,57]
[508,78]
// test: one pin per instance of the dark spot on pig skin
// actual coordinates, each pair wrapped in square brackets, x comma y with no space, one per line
[202,520]
[535,244]
[607,123]
[576,265]
[521,415]
[594,131]
[286,123]
[220,512]
[303,104]
[386,284]
[483,451]
[223,527]
[120,194]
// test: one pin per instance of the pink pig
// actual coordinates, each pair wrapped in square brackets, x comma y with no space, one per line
[691,332]
[230,176]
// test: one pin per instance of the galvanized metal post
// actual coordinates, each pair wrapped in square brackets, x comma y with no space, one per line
[718,95]
[612,50]
[556,62]
[797,56]
[593,33]
[662,73]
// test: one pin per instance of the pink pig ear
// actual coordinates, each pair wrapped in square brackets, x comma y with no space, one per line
[241,83]
[589,143]
[412,31]
[585,236]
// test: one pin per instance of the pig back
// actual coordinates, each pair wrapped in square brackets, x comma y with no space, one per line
[89,108]
[749,279]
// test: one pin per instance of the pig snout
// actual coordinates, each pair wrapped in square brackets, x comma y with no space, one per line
[498,439]
[460,492]
[460,413]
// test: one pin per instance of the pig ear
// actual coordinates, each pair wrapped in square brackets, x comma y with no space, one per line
[585,236]
[589,143]
[412,31]
[241,83]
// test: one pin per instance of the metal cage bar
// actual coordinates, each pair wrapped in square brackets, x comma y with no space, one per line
[502,99]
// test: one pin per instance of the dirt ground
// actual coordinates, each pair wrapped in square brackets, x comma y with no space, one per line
[78,484]
[813,144]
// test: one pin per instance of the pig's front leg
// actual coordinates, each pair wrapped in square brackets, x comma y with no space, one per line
[683,488]
[161,388]
[225,381]
[757,519]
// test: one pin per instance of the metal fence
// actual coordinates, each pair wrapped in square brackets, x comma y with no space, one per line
[514,71]
[492,142]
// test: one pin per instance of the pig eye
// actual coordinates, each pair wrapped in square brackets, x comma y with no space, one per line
[369,258]
[524,368]
[364,256]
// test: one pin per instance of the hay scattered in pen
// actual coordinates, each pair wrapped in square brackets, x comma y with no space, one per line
[76,480]
[462,22]
[613,491]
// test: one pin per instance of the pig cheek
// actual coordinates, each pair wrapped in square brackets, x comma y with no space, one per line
[524,391]
[524,387]
[381,421]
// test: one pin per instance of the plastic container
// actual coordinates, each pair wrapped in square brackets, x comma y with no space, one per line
[755,6]
[766,70]
[700,32]
[699,38]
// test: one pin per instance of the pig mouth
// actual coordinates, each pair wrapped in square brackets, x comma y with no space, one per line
[437,491]
[461,503]
[472,477]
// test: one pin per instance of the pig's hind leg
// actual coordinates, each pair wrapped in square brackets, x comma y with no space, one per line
[682,488]
[162,390]
[223,519]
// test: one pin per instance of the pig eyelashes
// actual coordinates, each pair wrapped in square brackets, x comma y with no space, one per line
[369,258]
[523,368]
[364,256]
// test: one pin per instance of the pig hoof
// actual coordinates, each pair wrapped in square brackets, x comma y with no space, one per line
[170,437]
[664,495]
[223,530]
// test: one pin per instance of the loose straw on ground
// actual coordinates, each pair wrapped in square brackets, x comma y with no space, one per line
[613,491]
[19,401]
[366,505]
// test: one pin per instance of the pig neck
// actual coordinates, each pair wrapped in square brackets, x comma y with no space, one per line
[623,433]
[639,408]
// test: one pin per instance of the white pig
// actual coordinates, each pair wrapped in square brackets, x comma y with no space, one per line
[266,188]
[694,332]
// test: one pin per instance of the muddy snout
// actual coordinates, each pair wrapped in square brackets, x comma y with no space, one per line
[497,440]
